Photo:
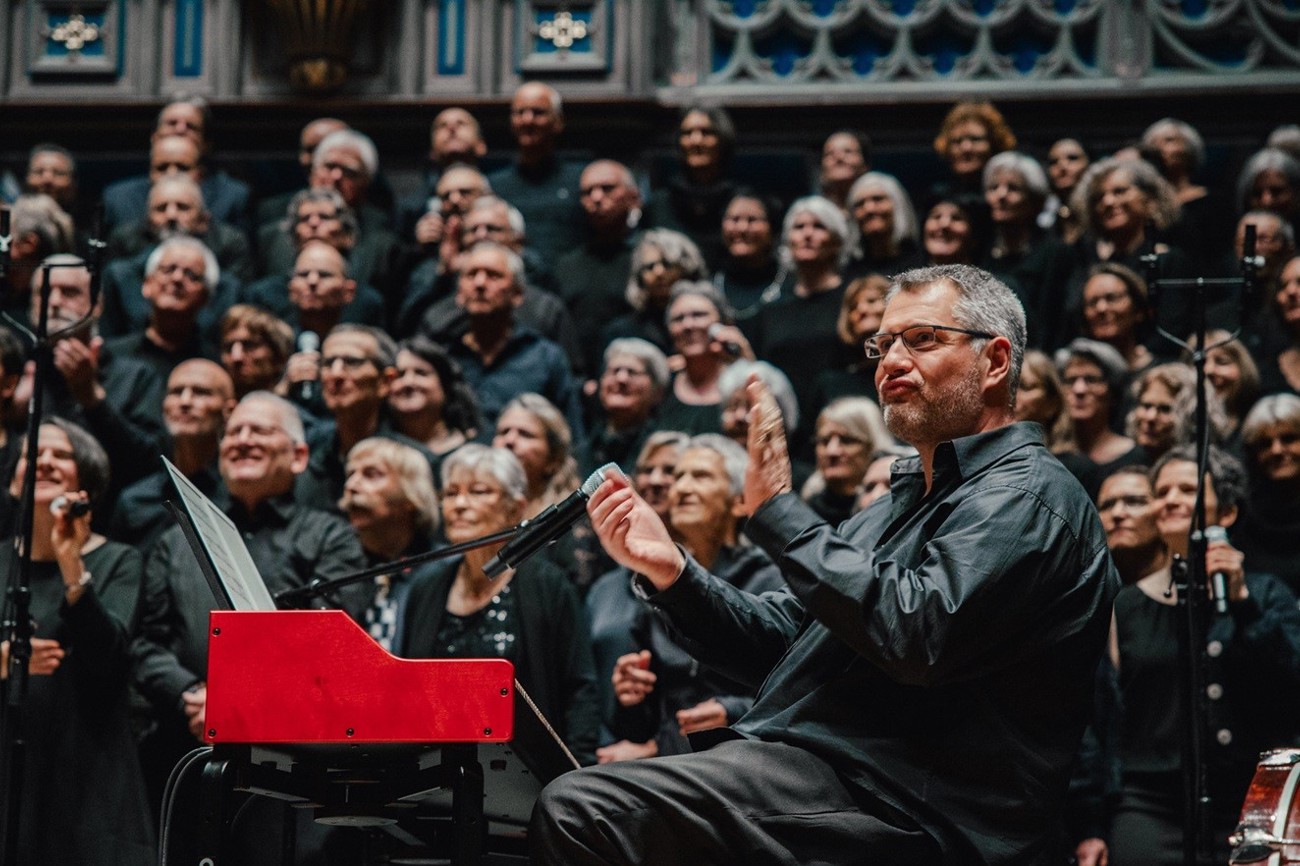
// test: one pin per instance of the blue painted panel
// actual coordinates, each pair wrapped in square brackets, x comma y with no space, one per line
[451,37]
[188,61]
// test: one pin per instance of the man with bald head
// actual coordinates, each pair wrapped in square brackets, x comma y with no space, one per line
[455,138]
[184,117]
[199,398]
[593,275]
[542,186]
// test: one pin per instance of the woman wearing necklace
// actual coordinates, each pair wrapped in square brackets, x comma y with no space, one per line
[751,275]
[700,322]
[530,616]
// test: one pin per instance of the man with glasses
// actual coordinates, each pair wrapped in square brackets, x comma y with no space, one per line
[926,675]
[262,451]
[358,364]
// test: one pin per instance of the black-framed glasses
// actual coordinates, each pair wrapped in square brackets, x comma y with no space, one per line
[918,338]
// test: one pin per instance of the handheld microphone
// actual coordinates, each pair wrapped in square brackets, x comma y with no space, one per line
[75,509]
[546,527]
[1218,580]
[308,342]
[731,347]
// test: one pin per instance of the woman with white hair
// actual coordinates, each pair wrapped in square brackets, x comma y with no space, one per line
[1270,521]
[1123,204]
[530,616]
[797,333]
[707,341]
[1204,225]
[848,433]
[887,230]
[1016,189]
[660,260]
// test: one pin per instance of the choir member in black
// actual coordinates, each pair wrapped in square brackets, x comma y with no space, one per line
[629,393]
[846,156]
[1234,377]
[1270,181]
[429,400]
[83,799]
[1123,205]
[693,199]
[389,501]
[851,372]
[530,615]
[1270,521]
[887,229]
[1067,160]
[13,356]
[1041,399]
[199,398]
[662,258]
[664,694]
[693,399]
[1253,672]
[1095,379]
[38,229]
[971,134]
[797,333]
[848,432]
[957,230]
[1015,189]
[1115,304]
[255,347]
[52,171]
[735,403]
[1204,218]
[1164,401]
[611,606]
[751,274]
[1280,364]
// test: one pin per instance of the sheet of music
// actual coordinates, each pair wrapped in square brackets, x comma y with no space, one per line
[224,547]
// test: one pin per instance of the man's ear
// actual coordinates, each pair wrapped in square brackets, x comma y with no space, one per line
[998,355]
[301,455]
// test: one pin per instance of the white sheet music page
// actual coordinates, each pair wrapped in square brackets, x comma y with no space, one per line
[224,545]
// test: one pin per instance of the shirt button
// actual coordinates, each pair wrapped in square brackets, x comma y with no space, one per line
[1214,649]
[1214,691]
[1224,736]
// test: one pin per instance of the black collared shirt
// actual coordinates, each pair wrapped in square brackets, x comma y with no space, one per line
[938,649]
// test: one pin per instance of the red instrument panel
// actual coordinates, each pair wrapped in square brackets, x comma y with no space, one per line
[315,676]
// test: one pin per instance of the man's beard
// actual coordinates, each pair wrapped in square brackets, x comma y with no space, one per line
[938,414]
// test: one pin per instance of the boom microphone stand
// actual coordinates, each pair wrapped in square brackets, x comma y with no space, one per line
[18,626]
[1189,576]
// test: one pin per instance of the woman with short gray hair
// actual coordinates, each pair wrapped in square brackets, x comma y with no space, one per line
[1270,522]
[530,615]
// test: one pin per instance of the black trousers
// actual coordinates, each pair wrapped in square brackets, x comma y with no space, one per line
[741,802]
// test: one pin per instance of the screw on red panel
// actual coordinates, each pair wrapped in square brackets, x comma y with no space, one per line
[487,732]
[216,630]
[505,692]
[212,732]
[350,732]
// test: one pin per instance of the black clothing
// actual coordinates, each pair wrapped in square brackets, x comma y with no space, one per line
[909,255]
[613,446]
[552,656]
[691,418]
[682,681]
[272,294]
[1268,531]
[695,211]
[426,287]
[376,259]
[161,361]
[834,508]
[592,280]
[547,195]
[778,804]
[83,799]
[540,311]
[747,289]
[141,515]
[943,676]
[650,323]
[125,310]
[1253,683]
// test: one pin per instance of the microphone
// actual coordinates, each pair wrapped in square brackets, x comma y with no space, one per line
[308,342]
[533,535]
[1218,580]
[75,509]
[731,347]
